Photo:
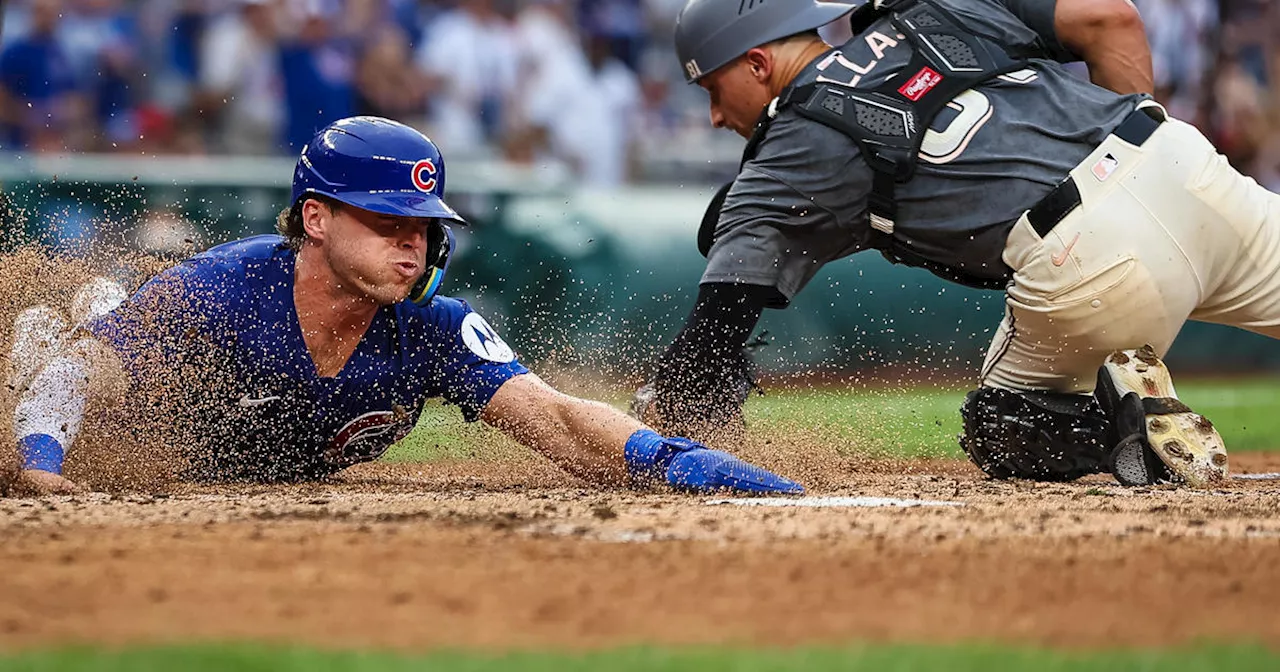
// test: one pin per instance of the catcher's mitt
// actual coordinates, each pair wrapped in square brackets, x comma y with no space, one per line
[699,401]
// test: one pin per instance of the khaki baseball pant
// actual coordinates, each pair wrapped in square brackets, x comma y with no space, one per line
[1166,232]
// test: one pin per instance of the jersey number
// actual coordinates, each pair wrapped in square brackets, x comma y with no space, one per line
[973,109]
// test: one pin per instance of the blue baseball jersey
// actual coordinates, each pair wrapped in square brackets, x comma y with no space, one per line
[218,337]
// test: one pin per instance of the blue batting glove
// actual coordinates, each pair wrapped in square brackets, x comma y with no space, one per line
[689,465]
[706,470]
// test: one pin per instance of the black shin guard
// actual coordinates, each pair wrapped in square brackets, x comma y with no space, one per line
[1039,436]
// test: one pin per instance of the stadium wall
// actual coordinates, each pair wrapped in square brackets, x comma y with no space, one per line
[575,277]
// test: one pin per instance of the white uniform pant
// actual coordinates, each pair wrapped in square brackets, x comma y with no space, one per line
[1171,233]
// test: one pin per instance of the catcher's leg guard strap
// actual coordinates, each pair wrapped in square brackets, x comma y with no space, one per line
[1132,461]
[1034,435]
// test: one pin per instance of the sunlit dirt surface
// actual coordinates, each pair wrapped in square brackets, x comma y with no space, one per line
[512,554]
[507,551]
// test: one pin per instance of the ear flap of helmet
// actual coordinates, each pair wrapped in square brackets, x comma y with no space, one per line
[439,249]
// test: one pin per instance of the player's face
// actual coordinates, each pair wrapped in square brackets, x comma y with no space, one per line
[737,96]
[379,256]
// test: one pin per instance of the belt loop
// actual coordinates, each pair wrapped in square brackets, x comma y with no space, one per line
[1154,110]
[1137,127]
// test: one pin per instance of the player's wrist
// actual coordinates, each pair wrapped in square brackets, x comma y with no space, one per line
[646,456]
[650,455]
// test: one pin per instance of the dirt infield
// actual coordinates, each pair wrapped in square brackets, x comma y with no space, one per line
[484,553]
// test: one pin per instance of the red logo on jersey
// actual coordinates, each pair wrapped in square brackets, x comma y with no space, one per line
[922,83]
[368,437]
[424,175]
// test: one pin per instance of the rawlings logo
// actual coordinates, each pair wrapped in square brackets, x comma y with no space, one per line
[922,83]
[424,175]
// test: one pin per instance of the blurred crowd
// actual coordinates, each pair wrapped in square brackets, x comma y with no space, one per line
[1217,65]
[592,84]
[576,80]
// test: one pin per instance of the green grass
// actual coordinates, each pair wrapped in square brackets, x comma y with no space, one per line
[920,422]
[916,422]
[924,422]
[877,658]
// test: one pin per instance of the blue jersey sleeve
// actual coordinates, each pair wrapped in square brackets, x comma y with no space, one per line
[463,358]
[175,317]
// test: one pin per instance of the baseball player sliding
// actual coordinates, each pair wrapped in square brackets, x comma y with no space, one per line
[291,357]
[947,135]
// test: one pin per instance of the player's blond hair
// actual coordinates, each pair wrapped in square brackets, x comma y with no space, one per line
[289,221]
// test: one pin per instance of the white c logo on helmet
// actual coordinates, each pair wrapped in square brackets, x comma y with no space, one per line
[424,175]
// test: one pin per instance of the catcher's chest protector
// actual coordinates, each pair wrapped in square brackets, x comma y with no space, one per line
[888,122]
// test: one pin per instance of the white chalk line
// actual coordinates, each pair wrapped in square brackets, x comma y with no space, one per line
[832,502]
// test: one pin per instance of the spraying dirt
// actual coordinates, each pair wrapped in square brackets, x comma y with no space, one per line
[505,550]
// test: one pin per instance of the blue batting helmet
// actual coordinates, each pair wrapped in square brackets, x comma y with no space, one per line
[382,166]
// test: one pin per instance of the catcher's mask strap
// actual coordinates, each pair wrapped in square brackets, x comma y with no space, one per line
[710,218]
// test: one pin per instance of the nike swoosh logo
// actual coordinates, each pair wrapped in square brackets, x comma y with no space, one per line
[246,402]
[1060,259]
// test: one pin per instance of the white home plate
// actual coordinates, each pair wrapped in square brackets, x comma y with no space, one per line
[864,502]
[1273,476]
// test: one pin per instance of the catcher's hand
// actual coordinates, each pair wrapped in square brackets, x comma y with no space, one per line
[642,402]
[700,407]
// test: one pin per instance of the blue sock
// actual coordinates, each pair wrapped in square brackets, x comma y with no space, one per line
[41,451]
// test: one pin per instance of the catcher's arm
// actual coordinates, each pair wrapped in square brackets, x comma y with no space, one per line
[705,375]
[1109,37]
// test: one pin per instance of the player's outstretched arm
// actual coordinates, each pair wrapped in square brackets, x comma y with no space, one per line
[1108,35]
[599,443]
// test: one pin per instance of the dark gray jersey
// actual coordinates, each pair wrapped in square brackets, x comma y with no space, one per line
[995,151]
